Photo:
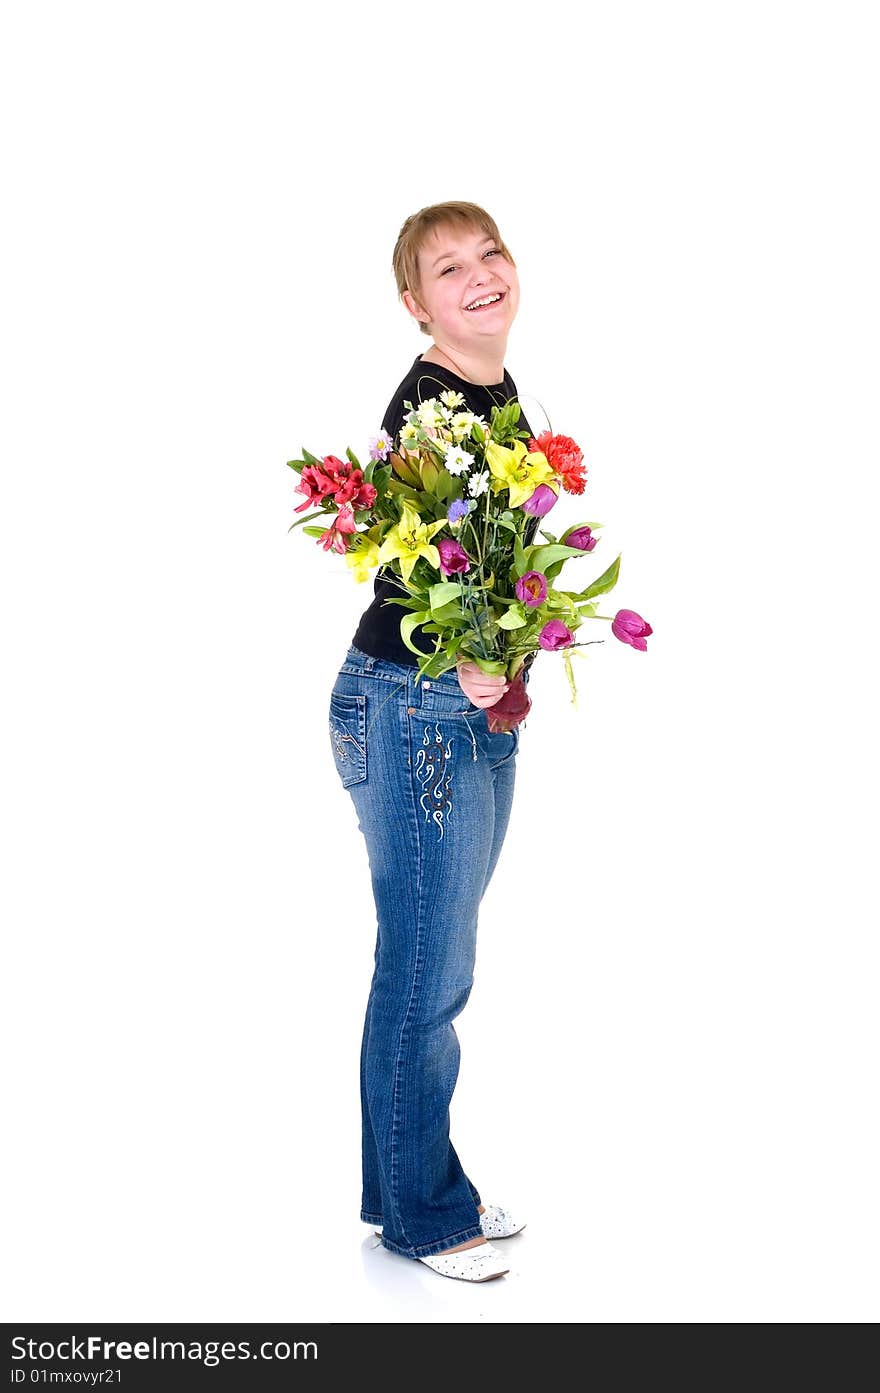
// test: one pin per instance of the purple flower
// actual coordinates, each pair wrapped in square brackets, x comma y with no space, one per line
[631,628]
[555,635]
[532,588]
[540,502]
[458,509]
[453,557]
[582,538]
[380,445]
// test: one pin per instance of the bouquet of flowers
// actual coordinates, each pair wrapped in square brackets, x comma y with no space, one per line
[451,507]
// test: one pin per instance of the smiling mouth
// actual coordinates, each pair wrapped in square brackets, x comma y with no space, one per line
[501,295]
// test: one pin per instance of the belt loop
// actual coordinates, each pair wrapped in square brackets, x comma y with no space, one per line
[368,662]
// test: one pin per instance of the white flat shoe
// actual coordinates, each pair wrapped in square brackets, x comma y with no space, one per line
[495,1221]
[479,1264]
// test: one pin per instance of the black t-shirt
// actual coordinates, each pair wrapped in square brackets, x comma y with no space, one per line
[378,632]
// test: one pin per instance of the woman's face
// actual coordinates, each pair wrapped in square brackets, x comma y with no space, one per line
[459,266]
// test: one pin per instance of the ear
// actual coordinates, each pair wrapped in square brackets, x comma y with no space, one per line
[416,310]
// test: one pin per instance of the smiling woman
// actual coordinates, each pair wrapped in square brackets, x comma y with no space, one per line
[432,785]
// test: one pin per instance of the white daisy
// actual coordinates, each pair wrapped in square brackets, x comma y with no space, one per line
[429,414]
[478,483]
[450,398]
[457,460]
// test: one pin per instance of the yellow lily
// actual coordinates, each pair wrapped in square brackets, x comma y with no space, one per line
[363,557]
[410,539]
[517,470]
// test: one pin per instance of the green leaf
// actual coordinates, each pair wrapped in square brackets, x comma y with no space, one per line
[519,559]
[402,467]
[491,665]
[444,591]
[410,622]
[314,531]
[411,602]
[449,614]
[445,486]
[397,486]
[605,582]
[513,618]
[307,518]
[539,558]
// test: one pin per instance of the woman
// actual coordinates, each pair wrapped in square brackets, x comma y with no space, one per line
[433,789]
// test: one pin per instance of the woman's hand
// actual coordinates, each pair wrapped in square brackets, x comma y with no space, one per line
[481,688]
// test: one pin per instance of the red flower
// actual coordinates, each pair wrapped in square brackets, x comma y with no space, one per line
[315,484]
[343,525]
[565,457]
[365,496]
[348,486]
[349,483]
[337,469]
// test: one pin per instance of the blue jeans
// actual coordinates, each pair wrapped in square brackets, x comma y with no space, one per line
[433,789]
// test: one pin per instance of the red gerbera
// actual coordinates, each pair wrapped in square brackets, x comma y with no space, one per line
[565,457]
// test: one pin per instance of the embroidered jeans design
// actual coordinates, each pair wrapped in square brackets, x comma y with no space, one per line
[432,774]
[339,737]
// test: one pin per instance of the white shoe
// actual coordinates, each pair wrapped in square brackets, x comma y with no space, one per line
[495,1221]
[479,1264]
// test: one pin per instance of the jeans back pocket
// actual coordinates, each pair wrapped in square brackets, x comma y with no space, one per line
[348,727]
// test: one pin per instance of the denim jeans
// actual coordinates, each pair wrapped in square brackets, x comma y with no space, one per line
[432,788]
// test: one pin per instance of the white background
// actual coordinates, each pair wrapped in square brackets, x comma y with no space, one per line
[668,1059]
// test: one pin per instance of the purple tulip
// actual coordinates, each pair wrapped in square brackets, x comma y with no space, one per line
[555,635]
[453,557]
[458,509]
[582,538]
[532,588]
[540,502]
[631,628]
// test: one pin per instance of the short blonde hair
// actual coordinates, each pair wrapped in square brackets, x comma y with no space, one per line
[418,228]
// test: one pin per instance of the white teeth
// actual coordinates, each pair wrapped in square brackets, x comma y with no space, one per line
[488,300]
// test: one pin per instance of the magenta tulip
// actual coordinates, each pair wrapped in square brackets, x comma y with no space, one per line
[582,538]
[631,628]
[531,588]
[540,502]
[453,557]
[555,635]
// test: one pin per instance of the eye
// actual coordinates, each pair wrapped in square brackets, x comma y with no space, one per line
[492,251]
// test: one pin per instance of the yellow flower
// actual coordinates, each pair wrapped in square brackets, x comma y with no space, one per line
[517,470]
[362,557]
[410,539]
